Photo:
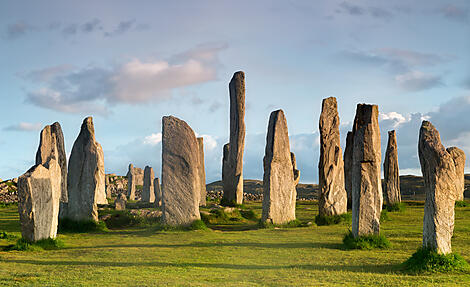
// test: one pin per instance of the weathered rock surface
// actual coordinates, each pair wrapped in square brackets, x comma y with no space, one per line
[295,170]
[39,191]
[148,192]
[86,178]
[157,191]
[333,199]
[131,182]
[391,171]
[233,163]
[52,145]
[279,193]
[202,171]
[120,202]
[180,173]
[439,174]
[459,157]
[367,197]
[348,166]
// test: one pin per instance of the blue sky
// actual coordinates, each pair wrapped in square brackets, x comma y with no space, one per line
[128,63]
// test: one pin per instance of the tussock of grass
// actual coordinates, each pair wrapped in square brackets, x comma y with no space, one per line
[461,203]
[291,224]
[384,216]
[332,219]
[366,242]
[44,244]
[249,214]
[396,207]
[195,225]
[71,226]
[123,218]
[428,260]
[4,235]
[230,203]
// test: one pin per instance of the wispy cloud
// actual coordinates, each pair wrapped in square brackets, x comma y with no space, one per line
[18,29]
[455,13]
[355,9]
[23,127]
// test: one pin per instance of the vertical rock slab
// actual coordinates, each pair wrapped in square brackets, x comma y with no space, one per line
[294,169]
[39,192]
[120,202]
[85,179]
[233,166]
[131,183]
[348,166]
[279,193]
[52,145]
[202,171]
[367,197]
[333,199]
[439,174]
[157,191]
[459,158]
[148,191]
[391,171]
[180,173]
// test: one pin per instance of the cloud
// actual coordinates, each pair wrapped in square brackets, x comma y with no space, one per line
[23,127]
[91,26]
[123,27]
[18,29]
[70,30]
[153,139]
[417,81]
[358,10]
[455,13]
[134,82]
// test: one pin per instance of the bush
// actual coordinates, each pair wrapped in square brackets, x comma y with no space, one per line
[365,242]
[396,207]
[332,219]
[461,203]
[428,260]
[69,225]
[124,218]
[44,244]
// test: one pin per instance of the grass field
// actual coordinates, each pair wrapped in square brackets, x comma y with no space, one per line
[232,254]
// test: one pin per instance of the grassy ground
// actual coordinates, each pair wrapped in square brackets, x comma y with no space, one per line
[232,254]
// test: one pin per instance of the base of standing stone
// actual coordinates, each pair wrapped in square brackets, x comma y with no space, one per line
[366,242]
[290,224]
[428,260]
[68,225]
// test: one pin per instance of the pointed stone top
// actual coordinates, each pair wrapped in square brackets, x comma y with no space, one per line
[391,133]
[329,101]
[365,113]
[239,75]
[88,128]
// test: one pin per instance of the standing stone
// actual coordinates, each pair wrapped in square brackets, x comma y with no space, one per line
[85,180]
[439,175]
[279,193]
[367,197]
[294,169]
[52,145]
[391,171]
[348,166]
[458,156]
[202,171]
[39,191]
[120,202]
[333,199]
[180,173]
[131,183]
[148,192]
[233,164]
[139,177]
[157,191]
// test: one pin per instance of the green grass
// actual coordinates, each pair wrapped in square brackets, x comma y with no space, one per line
[236,253]
[396,207]
[428,260]
[67,225]
[365,242]
[124,218]
[291,224]
[461,203]
[43,244]
[332,219]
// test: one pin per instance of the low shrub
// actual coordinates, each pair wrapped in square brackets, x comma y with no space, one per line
[332,219]
[428,260]
[72,226]
[44,244]
[365,242]
[7,204]
[396,207]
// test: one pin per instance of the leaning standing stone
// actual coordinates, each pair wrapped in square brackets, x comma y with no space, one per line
[85,181]
[333,197]
[391,171]
[233,164]
[458,156]
[148,192]
[131,178]
[39,191]
[202,171]
[367,198]
[279,193]
[180,173]
[439,175]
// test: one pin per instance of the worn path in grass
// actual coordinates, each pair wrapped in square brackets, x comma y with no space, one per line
[306,256]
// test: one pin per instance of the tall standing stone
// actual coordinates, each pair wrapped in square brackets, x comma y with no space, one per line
[279,193]
[294,169]
[180,173]
[52,145]
[148,191]
[333,199]
[391,171]
[39,191]
[348,166]
[85,179]
[157,191]
[233,164]
[367,198]
[131,182]
[439,175]
[202,171]
[458,156]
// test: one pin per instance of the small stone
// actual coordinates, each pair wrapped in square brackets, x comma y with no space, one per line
[391,171]
[120,202]
[148,191]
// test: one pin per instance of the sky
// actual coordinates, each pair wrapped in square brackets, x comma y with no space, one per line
[129,63]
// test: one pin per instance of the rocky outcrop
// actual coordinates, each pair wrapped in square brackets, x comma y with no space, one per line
[157,191]
[180,173]
[39,191]
[202,171]
[439,174]
[367,198]
[295,170]
[391,171]
[148,191]
[279,193]
[131,178]
[333,197]
[348,166]
[458,156]
[86,179]
[233,163]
